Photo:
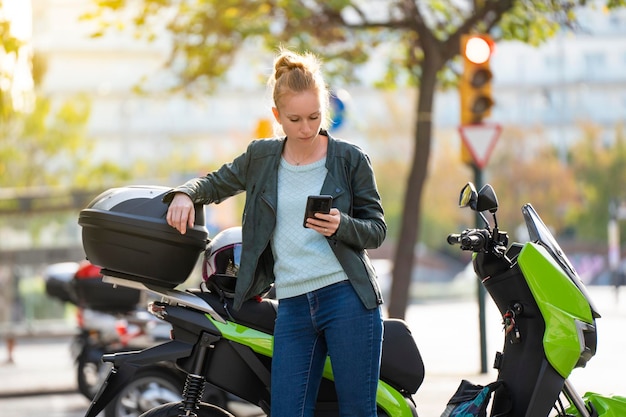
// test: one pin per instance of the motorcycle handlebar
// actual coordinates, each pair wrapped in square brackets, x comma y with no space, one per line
[454,239]
[472,239]
[476,241]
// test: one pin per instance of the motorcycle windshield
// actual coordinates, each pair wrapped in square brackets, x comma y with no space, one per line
[540,233]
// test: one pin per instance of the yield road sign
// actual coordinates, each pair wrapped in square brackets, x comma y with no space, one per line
[480,139]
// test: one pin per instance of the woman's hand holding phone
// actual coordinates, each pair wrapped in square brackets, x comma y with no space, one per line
[327,221]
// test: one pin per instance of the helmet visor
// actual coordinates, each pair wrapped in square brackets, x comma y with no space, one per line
[227,260]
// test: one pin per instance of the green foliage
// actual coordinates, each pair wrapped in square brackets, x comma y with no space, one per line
[207,34]
[390,176]
[44,144]
[48,146]
[533,22]
[441,214]
[573,197]
[526,169]
[8,53]
[600,168]
[9,43]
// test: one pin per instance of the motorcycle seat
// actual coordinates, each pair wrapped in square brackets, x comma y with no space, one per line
[258,314]
[401,364]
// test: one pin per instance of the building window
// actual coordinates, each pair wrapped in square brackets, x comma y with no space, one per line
[553,62]
[595,65]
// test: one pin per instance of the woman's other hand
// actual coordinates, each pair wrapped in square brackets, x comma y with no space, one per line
[181,213]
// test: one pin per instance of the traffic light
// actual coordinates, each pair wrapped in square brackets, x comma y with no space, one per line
[475,83]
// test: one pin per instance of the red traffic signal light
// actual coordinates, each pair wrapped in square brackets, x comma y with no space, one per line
[475,82]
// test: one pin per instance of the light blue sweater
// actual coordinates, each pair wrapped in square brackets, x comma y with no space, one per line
[303,260]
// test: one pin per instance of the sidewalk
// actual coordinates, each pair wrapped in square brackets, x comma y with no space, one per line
[40,366]
[446,333]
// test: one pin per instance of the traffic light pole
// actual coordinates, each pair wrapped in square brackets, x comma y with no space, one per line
[481,292]
[475,104]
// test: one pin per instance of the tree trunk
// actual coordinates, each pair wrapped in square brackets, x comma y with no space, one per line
[404,257]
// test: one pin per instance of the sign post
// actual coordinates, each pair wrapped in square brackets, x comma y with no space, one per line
[478,141]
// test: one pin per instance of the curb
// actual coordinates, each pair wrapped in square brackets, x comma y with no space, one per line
[38,392]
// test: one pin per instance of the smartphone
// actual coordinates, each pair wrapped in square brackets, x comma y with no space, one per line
[317,204]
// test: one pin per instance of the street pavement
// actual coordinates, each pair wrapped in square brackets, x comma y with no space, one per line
[447,334]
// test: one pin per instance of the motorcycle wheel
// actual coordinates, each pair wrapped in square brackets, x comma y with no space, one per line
[90,375]
[173,410]
[148,389]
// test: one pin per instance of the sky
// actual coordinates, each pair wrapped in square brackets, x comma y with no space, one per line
[20,14]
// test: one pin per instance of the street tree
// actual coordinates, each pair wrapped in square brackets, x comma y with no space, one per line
[526,168]
[420,40]
[600,168]
[43,143]
[10,47]
[47,166]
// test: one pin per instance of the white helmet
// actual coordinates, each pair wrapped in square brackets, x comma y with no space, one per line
[221,261]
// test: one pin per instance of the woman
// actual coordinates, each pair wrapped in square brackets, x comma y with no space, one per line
[329,299]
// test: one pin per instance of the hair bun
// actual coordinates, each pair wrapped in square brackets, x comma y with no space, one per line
[286,62]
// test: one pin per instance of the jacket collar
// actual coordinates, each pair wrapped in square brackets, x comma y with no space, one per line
[331,186]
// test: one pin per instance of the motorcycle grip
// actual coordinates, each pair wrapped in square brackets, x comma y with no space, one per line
[454,239]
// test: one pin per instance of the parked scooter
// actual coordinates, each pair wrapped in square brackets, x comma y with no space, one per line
[548,316]
[96,331]
[98,311]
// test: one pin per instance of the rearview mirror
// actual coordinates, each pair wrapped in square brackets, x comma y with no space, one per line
[487,199]
[469,196]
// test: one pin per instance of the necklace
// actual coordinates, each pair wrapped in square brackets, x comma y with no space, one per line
[306,157]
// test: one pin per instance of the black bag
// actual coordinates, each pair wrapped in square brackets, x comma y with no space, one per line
[471,400]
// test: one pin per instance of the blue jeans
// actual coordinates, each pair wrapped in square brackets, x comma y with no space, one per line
[330,321]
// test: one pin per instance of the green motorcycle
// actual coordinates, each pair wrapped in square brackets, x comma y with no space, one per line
[125,232]
[548,316]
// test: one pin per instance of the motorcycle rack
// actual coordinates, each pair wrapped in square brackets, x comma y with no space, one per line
[170,295]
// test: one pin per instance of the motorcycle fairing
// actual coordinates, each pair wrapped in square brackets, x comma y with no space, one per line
[389,398]
[125,365]
[522,365]
[541,234]
[258,341]
[564,308]
[605,406]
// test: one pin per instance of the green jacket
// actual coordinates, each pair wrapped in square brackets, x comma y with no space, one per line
[350,181]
